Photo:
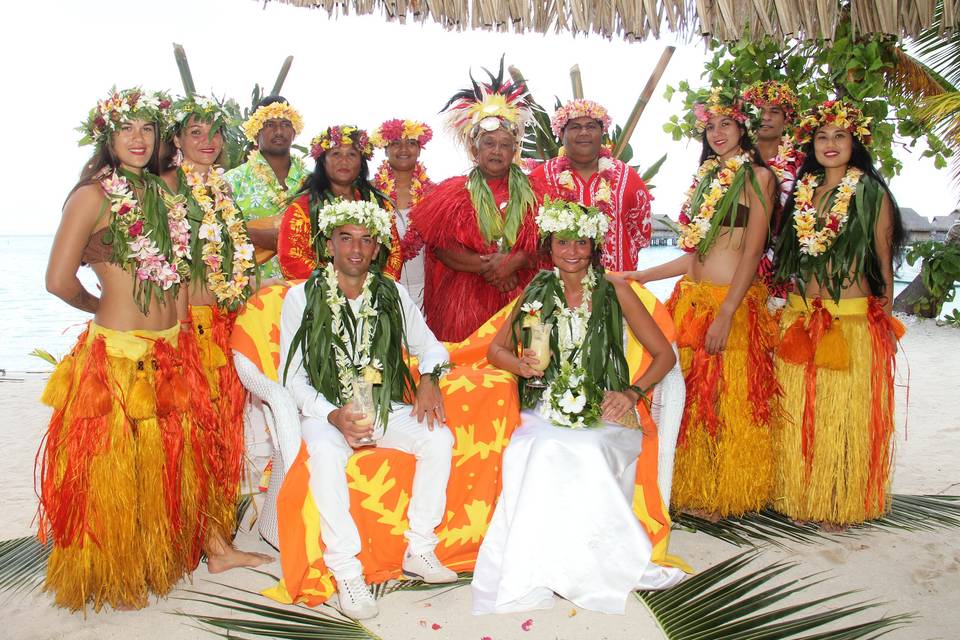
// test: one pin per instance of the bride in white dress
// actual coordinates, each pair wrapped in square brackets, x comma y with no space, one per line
[564,522]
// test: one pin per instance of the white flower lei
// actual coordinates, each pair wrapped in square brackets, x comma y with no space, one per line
[564,401]
[359,360]
[558,216]
[219,211]
[360,212]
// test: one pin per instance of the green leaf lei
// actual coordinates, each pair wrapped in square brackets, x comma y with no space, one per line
[493,226]
[852,255]
[320,345]
[602,356]
[726,211]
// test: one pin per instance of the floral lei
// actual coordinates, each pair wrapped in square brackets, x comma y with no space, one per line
[814,242]
[369,343]
[159,257]
[694,230]
[571,398]
[386,181]
[359,360]
[603,196]
[787,160]
[211,194]
[264,172]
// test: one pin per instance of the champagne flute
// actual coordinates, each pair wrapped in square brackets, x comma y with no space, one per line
[540,345]
[363,403]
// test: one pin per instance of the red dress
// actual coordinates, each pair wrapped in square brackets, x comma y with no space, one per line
[456,303]
[625,199]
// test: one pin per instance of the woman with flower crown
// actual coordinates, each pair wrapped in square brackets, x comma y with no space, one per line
[223,275]
[725,334]
[341,154]
[404,179]
[835,362]
[118,469]
[564,522]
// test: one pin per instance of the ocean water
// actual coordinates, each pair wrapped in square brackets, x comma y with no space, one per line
[33,318]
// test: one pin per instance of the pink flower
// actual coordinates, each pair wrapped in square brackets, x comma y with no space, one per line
[527,624]
[435,626]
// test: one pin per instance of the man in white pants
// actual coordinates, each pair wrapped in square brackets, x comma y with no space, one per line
[331,428]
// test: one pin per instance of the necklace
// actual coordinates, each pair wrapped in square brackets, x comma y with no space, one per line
[813,241]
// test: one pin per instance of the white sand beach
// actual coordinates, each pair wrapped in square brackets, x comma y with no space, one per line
[915,572]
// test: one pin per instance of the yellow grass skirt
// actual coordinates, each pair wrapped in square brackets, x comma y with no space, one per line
[120,487]
[833,443]
[217,401]
[724,460]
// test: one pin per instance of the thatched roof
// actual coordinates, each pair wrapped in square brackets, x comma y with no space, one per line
[639,19]
[913,222]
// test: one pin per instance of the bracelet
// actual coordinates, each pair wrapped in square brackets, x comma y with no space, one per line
[437,372]
[640,392]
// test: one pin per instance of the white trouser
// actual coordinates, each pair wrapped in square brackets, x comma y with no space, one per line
[329,453]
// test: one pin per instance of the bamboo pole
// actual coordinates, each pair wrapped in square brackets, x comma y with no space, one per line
[638,108]
[282,76]
[576,81]
[185,76]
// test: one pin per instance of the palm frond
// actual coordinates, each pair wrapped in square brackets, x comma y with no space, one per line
[729,603]
[940,50]
[907,513]
[23,563]
[243,503]
[273,621]
[914,78]
[391,586]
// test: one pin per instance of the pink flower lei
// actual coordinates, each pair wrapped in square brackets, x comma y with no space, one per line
[396,129]
[386,181]
[579,109]
[134,237]
[567,186]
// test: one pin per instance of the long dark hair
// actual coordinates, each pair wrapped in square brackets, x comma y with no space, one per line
[317,184]
[104,158]
[861,159]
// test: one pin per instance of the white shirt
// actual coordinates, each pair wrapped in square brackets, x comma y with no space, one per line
[421,341]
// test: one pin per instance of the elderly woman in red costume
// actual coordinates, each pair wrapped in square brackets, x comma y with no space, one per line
[404,179]
[585,172]
[119,471]
[479,229]
[342,172]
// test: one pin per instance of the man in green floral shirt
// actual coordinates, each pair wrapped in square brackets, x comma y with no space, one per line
[263,184]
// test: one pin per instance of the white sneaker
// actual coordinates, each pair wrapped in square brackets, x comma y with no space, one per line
[426,567]
[356,601]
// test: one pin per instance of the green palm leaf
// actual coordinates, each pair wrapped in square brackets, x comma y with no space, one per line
[726,602]
[273,621]
[23,563]
[907,513]
[391,586]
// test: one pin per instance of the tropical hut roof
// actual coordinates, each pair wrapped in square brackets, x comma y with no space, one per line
[913,222]
[639,19]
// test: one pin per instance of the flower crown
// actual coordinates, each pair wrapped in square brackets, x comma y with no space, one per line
[717,105]
[396,130]
[571,220]
[201,108]
[578,109]
[123,106]
[272,111]
[343,134]
[359,212]
[771,92]
[837,113]
[487,107]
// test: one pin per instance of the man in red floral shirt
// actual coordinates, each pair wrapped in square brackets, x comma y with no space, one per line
[585,172]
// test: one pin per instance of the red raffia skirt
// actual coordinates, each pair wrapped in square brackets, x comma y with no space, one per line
[724,459]
[121,471]
[218,398]
[834,441]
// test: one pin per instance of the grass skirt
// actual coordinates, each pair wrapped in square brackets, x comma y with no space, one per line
[217,390]
[833,445]
[120,471]
[724,460]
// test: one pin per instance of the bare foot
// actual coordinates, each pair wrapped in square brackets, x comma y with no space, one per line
[232,558]
[832,527]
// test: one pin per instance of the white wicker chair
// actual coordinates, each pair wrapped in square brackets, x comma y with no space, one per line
[669,397]
[283,421]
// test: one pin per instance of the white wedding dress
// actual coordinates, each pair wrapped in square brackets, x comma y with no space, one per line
[564,523]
